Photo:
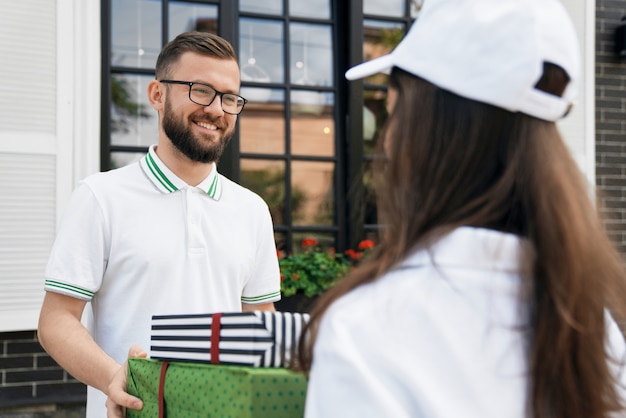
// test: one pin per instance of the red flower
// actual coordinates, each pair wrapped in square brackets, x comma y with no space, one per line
[354,254]
[295,276]
[307,242]
[281,278]
[366,244]
[278,253]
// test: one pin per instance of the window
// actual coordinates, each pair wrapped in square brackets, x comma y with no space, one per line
[305,139]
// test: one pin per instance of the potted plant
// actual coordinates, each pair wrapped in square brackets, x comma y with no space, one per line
[307,274]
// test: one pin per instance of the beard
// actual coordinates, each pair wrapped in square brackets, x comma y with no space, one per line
[194,148]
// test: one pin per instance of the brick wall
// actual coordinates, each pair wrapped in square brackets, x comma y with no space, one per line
[611,119]
[28,376]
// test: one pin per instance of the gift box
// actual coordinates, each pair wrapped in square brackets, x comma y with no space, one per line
[193,390]
[254,339]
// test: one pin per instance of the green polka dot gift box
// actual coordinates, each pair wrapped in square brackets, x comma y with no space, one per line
[198,390]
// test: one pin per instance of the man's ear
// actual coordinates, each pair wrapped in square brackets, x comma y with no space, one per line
[156,94]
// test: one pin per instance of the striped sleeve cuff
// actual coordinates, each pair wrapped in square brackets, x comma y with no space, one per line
[270,297]
[68,289]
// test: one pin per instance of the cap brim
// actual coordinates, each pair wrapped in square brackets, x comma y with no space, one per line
[378,65]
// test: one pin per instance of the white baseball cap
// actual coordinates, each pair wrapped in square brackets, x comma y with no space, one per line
[490,51]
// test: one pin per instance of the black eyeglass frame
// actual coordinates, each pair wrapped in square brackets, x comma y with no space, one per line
[217,93]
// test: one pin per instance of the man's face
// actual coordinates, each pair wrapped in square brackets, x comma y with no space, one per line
[200,132]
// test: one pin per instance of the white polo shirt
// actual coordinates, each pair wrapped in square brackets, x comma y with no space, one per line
[138,241]
[440,337]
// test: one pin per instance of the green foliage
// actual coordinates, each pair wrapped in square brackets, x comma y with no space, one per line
[314,270]
[124,106]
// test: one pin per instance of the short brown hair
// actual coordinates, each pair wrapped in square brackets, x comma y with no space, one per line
[203,43]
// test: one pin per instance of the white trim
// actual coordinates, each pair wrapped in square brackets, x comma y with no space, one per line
[578,128]
[589,63]
[87,83]
[78,100]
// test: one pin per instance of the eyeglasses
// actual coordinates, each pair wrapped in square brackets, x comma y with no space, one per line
[203,94]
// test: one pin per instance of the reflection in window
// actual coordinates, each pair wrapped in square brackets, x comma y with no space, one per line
[135,33]
[311,54]
[380,39]
[312,123]
[267,179]
[312,192]
[270,7]
[371,214]
[261,52]
[262,123]
[416,6]
[384,7]
[310,8]
[374,117]
[281,242]
[133,120]
[121,159]
[186,17]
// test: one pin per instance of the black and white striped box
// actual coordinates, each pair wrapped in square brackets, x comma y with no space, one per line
[256,339]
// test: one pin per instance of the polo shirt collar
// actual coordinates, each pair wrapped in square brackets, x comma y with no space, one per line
[168,182]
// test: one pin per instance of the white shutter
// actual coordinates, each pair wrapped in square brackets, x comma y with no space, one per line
[49,129]
[28,114]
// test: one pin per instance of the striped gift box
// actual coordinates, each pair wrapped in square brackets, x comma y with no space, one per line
[256,339]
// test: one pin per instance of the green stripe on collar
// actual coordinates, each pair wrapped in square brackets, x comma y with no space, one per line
[158,174]
[213,188]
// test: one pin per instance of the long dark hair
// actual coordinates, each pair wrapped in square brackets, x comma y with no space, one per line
[450,162]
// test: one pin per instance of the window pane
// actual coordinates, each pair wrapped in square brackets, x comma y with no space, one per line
[261,53]
[185,17]
[310,8]
[311,54]
[262,122]
[267,179]
[374,117]
[135,33]
[133,121]
[273,7]
[121,159]
[416,6]
[380,39]
[312,123]
[371,213]
[384,7]
[312,193]
[280,238]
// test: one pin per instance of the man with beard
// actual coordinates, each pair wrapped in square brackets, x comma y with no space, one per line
[167,235]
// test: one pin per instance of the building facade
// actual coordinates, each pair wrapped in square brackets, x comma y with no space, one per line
[73,103]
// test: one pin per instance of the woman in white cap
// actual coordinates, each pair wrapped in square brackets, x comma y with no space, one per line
[494,289]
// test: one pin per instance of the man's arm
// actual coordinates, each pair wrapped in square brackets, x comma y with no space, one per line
[246,307]
[67,341]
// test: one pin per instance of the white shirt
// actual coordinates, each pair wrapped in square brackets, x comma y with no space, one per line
[138,241]
[438,337]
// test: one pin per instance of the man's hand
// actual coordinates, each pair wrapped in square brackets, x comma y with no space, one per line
[118,400]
